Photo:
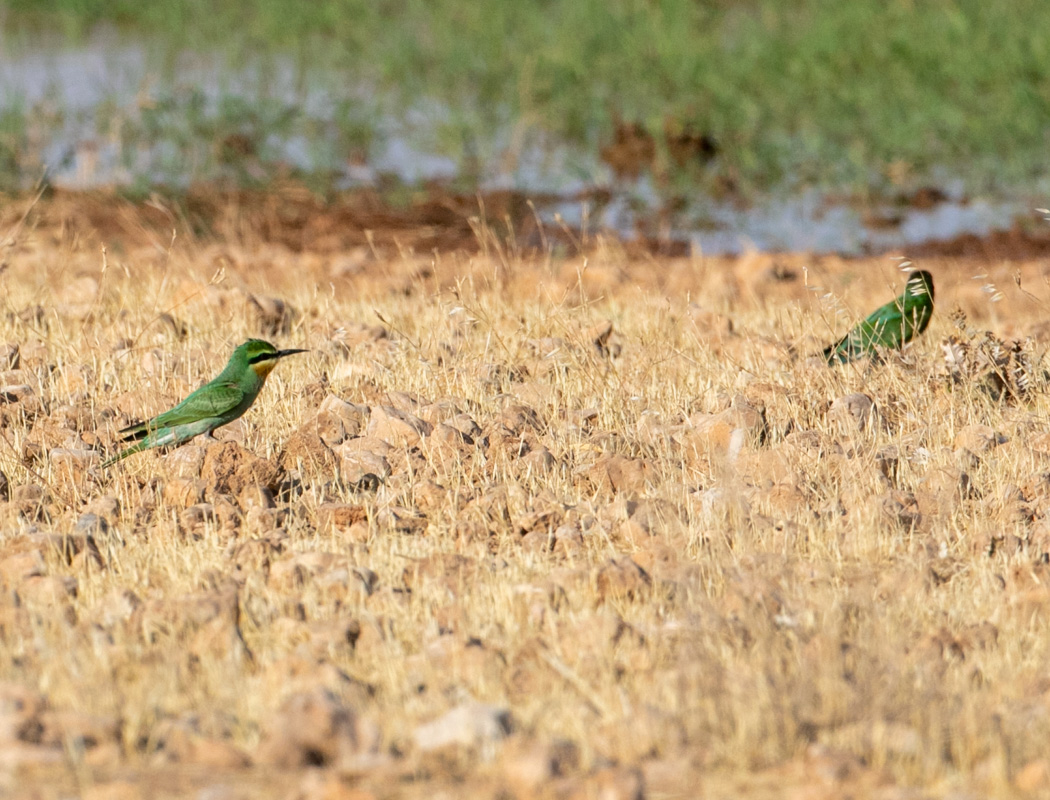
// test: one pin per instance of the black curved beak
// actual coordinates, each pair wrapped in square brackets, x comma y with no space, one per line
[283,353]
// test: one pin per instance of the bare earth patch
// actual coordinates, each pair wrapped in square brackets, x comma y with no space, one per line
[588,525]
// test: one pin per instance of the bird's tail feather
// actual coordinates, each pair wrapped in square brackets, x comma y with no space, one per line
[134,432]
[160,437]
[138,447]
[838,353]
[135,436]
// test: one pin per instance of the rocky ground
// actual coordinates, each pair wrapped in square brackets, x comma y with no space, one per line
[585,525]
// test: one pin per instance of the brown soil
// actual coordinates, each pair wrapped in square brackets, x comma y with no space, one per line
[590,523]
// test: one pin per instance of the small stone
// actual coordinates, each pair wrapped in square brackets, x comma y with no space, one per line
[20,712]
[451,570]
[116,607]
[1033,776]
[396,426]
[355,463]
[292,572]
[32,500]
[518,418]
[339,516]
[195,518]
[724,429]
[179,741]
[33,452]
[446,441]
[619,783]
[403,520]
[901,508]
[16,568]
[184,492]
[306,450]
[944,488]
[228,468]
[499,377]
[256,497]
[507,445]
[19,394]
[152,362]
[657,517]
[621,578]
[429,496]
[543,520]
[783,499]
[888,460]
[273,315]
[472,725]
[540,461]
[568,541]
[321,785]
[332,429]
[353,416]
[709,324]
[62,728]
[113,790]
[539,542]
[47,589]
[405,401]
[68,546]
[600,337]
[185,462]
[9,356]
[91,525]
[207,625]
[465,424]
[620,473]
[311,728]
[978,439]
[107,507]
[227,511]
[530,764]
[854,412]
[73,384]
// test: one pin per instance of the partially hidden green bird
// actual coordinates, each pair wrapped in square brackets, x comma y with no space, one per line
[890,326]
[215,404]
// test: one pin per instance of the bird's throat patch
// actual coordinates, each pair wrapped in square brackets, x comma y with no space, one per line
[264,368]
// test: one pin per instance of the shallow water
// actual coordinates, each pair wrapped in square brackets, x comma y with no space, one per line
[115,112]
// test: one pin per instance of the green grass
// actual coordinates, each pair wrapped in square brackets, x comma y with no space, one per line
[813,91]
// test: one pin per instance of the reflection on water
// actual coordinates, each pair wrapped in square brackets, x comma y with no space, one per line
[109,112]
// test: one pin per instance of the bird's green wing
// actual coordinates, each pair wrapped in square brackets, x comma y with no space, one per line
[881,329]
[211,400]
[884,327]
[889,326]
[897,324]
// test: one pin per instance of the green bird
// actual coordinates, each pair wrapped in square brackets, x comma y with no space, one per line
[891,326]
[215,404]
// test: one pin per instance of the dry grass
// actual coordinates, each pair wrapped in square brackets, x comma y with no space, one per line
[676,562]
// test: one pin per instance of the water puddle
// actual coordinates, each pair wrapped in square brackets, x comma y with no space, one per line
[112,113]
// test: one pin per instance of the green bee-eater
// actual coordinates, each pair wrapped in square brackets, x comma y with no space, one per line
[890,326]
[213,405]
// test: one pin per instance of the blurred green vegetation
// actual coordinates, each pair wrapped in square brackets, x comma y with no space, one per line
[814,91]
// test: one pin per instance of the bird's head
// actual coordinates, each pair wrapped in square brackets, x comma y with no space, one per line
[262,356]
[920,284]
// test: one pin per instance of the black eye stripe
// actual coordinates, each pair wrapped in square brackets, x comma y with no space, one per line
[262,357]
